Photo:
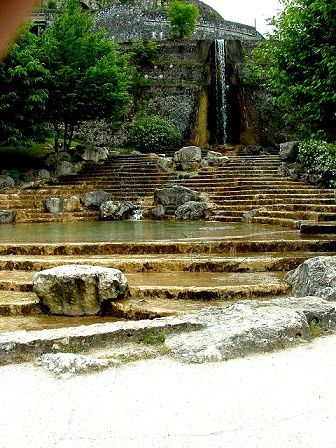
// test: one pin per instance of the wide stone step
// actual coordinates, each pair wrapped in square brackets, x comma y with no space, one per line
[276,241]
[13,303]
[171,263]
[180,286]
[220,200]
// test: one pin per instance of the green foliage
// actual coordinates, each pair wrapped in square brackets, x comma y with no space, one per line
[297,65]
[315,329]
[143,53]
[319,157]
[182,17]
[88,78]
[154,133]
[52,4]
[150,338]
[23,93]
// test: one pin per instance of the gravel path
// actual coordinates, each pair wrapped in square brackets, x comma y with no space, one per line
[284,399]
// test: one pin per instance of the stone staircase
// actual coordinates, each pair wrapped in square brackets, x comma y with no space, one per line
[244,184]
[171,277]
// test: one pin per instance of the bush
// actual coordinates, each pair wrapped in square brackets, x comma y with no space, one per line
[182,17]
[319,157]
[154,133]
[144,53]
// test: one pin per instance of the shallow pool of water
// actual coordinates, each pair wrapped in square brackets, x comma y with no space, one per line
[132,231]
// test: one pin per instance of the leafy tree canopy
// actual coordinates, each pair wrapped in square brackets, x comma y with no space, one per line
[182,17]
[88,78]
[23,93]
[297,65]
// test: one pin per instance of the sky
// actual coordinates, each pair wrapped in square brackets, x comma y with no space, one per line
[246,11]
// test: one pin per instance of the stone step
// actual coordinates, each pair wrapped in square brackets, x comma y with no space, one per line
[220,200]
[276,241]
[180,286]
[273,261]
[13,303]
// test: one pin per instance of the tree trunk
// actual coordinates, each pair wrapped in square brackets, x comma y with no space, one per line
[57,132]
[71,133]
[65,136]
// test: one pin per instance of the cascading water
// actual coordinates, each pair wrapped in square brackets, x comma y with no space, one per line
[221,100]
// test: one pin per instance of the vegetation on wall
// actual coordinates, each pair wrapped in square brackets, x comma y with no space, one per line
[319,158]
[296,64]
[182,17]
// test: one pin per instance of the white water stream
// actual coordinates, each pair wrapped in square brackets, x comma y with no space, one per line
[221,91]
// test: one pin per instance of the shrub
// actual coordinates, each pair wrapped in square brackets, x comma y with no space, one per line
[319,157]
[144,53]
[182,17]
[154,133]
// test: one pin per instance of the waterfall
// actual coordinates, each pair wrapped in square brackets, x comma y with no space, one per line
[221,112]
[137,214]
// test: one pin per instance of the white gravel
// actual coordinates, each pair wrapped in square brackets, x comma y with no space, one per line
[279,400]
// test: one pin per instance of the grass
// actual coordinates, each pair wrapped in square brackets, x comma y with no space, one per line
[315,329]
[152,339]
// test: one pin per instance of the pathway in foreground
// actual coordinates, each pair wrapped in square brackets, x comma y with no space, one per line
[284,399]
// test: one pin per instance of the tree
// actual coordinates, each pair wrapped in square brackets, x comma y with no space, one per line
[182,17]
[23,93]
[297,64]
[89,79]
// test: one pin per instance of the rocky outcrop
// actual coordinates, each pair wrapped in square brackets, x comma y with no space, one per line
[95,154]
[6,182]
[65,168]
[54,205]
[250,327]
[192,210]
[56,157]
[175,195]
[158,212]
[315,277]
[79,290]
[73,204]
[289,151]
[165,164]
[96,198]
[7,216]
[116,210]
[188,158]
[216,159]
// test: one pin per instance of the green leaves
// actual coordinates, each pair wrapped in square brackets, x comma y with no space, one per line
[182,17]
[297,64]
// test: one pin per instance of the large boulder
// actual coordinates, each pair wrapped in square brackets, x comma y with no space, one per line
[6,182]
[56,157]
[165,164]
[73,204]
[314,277]
[96,198]
[54,205]
[116,210]
[95,154]
[289,151]
[158,212]
[7,216]
[294,170]
[43,175]
[192,210]
[65,168]
[217,159]
[79,290]
[175,195]
[188,158]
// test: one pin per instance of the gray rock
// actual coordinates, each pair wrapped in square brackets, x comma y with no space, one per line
[95,154]
[79,290]
[188,158]
[165,164]
[293,170]
[65,168]
[289,151]
[116,210]
[216,159]
[54,205]
[7,216]
[192,210]
[204,163]
[158,212]
[56,157]
[251,214]
[6,182]
[43,175]
[69,364]
[73,204]
[175,195]
[96,198]
[250,327]
[314,277]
